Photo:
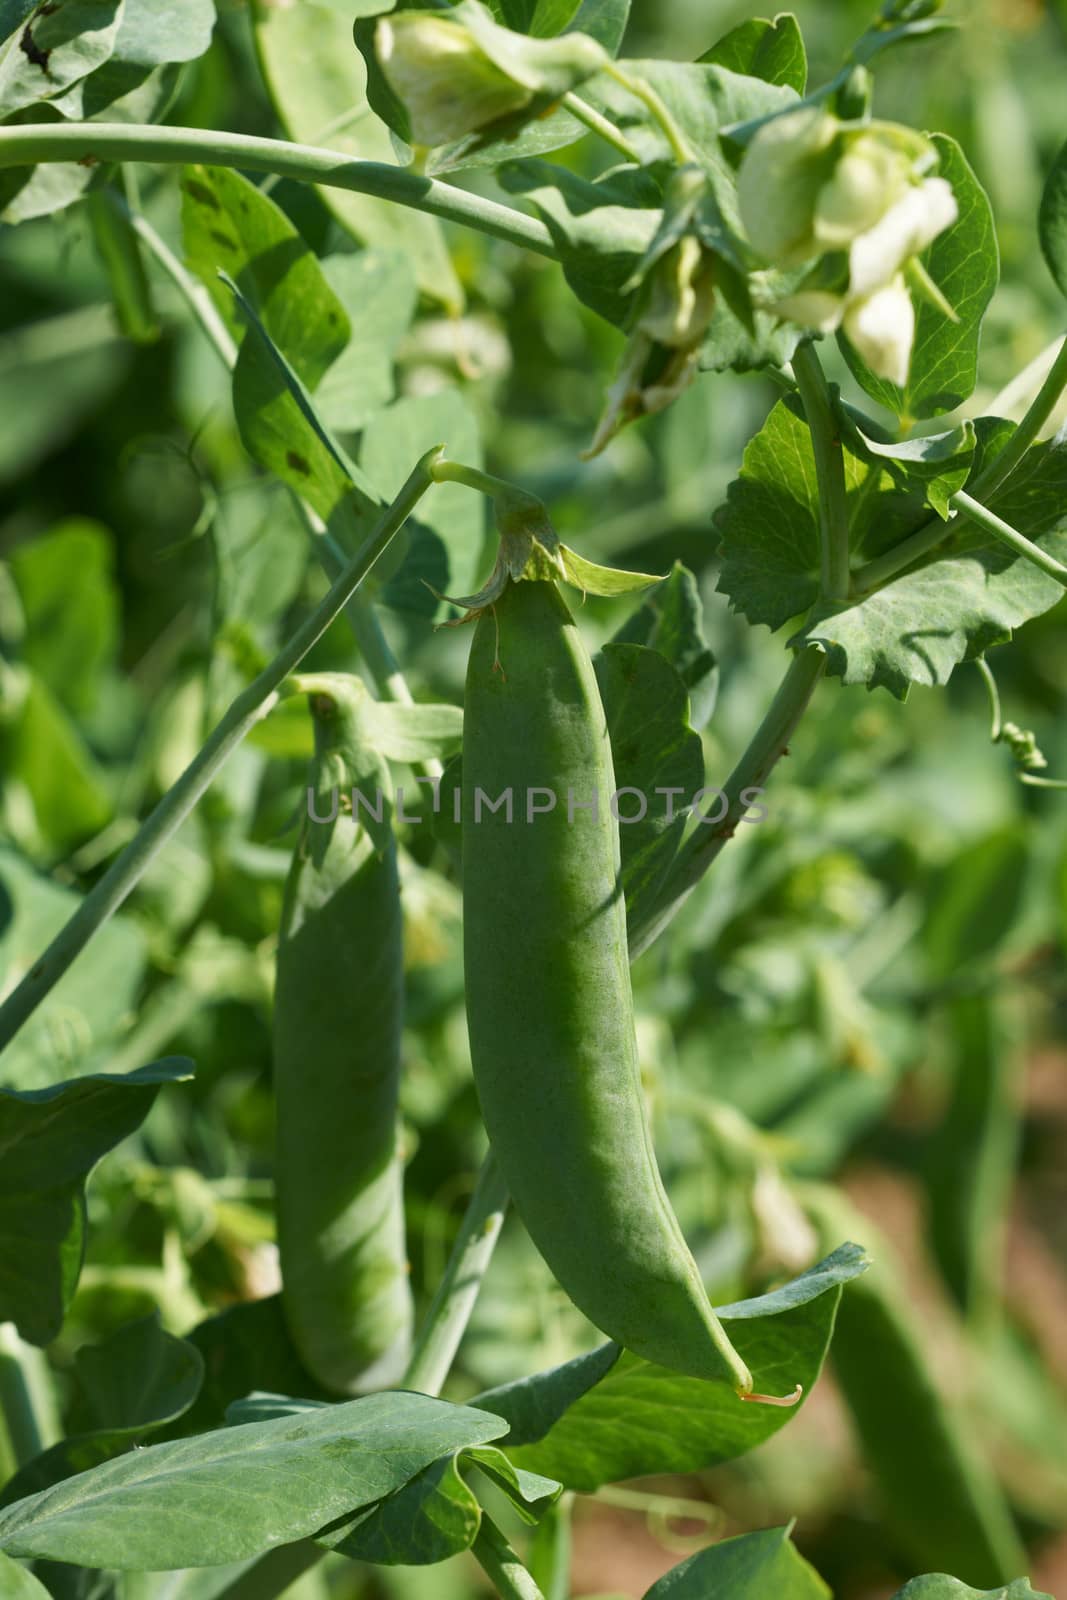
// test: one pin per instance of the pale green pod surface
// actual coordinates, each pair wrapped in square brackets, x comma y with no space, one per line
[549,1004]
[337,1027]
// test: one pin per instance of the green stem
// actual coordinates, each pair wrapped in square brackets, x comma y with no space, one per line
[191,290]
[472,478]
[989,522]
[74,141]
[993,475]
[680,147]
[250,706]
[439,1336]
[29,1422]
[768,744]
[829,473]
[597,123]
[501,1565]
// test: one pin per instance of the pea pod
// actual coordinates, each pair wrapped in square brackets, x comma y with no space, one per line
[337,1027]
[549,1004]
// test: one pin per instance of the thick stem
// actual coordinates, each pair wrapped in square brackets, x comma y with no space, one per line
[829,473]
[250,706]
[501,1565]
[768,744]
[77,141]
[446,1321]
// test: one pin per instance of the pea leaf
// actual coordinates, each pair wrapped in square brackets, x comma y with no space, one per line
[222,1496]
[132,1384]
[653,748]
[152,35]
[437,1514]
[377,289]
[70,601]
[938,1586]
[773,51]
[748,1567]
[62,794]
[938,463]
[318,83]
[52,1138]
[612,1428]
[964,263]
[971,594]
[86,1008]
[57,47]
[246,1347]
[671,621]
[18,1583]
[1052,220]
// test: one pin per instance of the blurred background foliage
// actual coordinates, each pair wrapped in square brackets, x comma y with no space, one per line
[869,987]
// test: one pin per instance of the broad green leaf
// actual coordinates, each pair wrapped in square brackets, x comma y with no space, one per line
[66,583]
[752,1566]
[413,733]
[1052,220]
[152,35]
[89,1003]
[54,794]
[452,517]
[702,98]
[614,1429]
[653,748]
[671,621]
[601,229]
[972,593]
[58,47]
[938,1586]
[18,1583]
[964,263]
[317,80]
[132,1384]
[275,1482]
[51,1139]
[437,1514]
[773,51]
[377,289]
[940,1493]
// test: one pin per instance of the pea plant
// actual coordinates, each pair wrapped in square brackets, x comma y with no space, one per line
[509,848]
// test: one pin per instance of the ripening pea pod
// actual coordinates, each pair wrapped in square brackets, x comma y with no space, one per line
[549,1004]
[337,1028]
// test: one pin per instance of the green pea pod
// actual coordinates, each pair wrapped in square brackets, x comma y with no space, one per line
[549,1004]
[337,1027]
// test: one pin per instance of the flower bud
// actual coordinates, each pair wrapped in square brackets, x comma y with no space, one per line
[881,326]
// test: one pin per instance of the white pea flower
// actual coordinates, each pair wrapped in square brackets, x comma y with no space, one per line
[881,326]
[783,171]
[904,231]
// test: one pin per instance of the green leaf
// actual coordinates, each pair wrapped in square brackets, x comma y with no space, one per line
[1052,220]
[412,733]
[703,99]
[278,1481]
[614,1429]
[671,621]
[965,265]
[89,1003]
[153,35]
[51,1139]
[246,1347]
[318,83]
[971,594]
[880,38]
[937,1586]
[600,229]
[377,289]
[773,51]
[437,1514]
[18,1583]
[751,1566]
[132,1384]
[938,463]
[70,601]
[653,748]
[57,48]
[974,902]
